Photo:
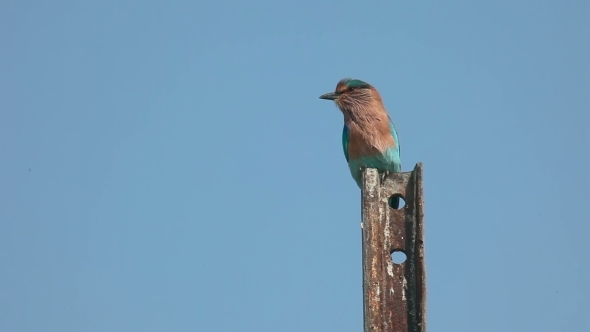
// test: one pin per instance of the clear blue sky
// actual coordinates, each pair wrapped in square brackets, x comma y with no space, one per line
[168,166]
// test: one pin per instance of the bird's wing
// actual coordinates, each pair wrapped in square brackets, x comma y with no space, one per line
[345,141]
[394,134]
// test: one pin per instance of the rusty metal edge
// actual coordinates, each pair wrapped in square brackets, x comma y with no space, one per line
[370,182]
[420,263]
[415,264]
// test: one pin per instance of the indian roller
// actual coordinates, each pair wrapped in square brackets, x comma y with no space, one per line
[369,138]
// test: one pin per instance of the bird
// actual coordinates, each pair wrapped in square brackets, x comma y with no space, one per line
[369,137]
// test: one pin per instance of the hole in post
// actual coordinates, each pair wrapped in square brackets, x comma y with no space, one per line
[398,256]
[396,202]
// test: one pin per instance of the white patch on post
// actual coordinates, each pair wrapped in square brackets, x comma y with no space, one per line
[404,284]
[390,268]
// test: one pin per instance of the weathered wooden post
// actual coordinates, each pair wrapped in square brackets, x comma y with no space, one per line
[394,295]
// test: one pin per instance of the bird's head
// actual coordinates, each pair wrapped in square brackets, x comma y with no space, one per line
[352,93]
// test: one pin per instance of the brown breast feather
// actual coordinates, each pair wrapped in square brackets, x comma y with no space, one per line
[369,136]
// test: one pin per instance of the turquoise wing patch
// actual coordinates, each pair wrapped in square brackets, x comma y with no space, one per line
[345,141]
[394,133]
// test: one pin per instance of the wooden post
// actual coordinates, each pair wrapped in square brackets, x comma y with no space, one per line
[394,295]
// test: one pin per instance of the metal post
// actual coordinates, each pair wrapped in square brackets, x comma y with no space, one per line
[394,295]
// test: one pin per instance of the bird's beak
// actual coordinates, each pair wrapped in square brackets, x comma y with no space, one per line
[329,96]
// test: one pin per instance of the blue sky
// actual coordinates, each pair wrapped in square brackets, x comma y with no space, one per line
[168,166]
